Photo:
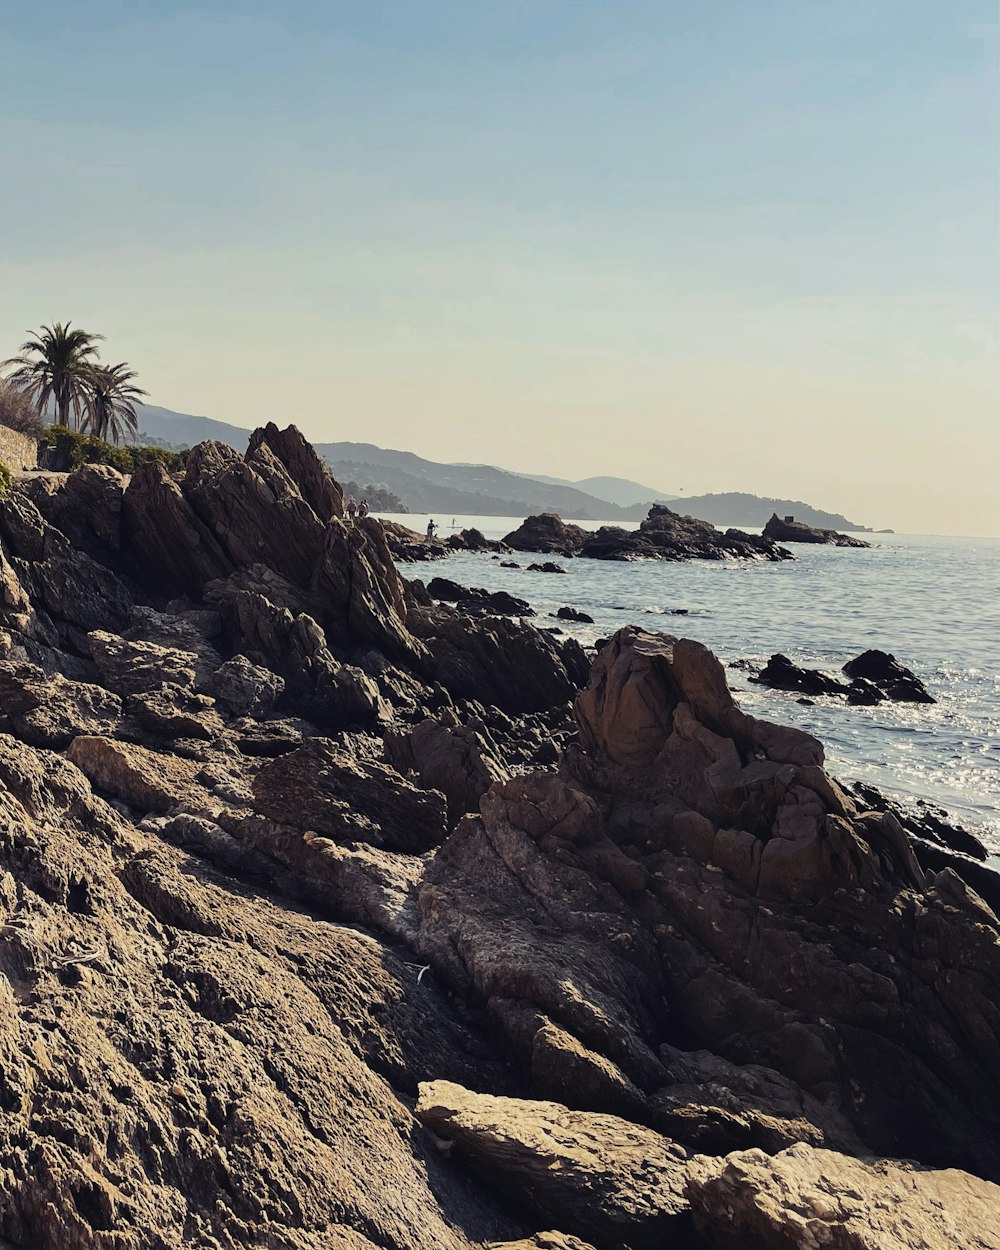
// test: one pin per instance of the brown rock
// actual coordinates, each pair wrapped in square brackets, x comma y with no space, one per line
[457,761]
[594,1175]
[320,788]
[807,1197]
[547,533]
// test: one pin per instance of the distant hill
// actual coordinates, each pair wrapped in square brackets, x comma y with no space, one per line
[481,489]
[734,508]
[617,490]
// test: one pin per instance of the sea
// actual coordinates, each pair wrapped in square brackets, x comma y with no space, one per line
[933,602]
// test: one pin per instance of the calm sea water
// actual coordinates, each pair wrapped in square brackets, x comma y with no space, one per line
[933,602]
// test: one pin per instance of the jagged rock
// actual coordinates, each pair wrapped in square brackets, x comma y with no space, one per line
[658,720]
[316,683]
[781,674]
[473,540]
[134,667]
[807,1197]
[170,544]
[886,672]
[75,591]
[149,781]
[176,712]
[319,787]
[246,689]
[594,1175]
[310,474]
[453,759]
[476,599]
[496,660]
[189,1063]
[407,545]
[666,535]
[547,567]
[49,711]
[547,533]
[788,530]
[574,614]
[716,1107]
[542,1241]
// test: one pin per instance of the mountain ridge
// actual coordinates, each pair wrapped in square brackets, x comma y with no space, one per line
[485,490]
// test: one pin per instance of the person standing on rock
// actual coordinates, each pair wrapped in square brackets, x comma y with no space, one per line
[363,508]
[352,507]
[431,527]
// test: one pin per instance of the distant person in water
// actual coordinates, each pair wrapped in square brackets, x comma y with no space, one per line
[352,507]
[431,527]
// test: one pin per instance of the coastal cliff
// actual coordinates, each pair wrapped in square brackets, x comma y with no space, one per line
[335,918]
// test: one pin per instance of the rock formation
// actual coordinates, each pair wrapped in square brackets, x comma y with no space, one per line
[335,918]
[788,530]
[875,677]
[663,535]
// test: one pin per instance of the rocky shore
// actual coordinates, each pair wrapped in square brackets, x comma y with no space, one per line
[336,917]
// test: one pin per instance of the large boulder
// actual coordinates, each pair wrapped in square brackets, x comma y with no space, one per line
[593,1175]
[547,533]
[808,1197]
[885,672]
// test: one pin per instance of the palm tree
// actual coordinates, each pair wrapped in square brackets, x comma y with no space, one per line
[111,398]
[54,366]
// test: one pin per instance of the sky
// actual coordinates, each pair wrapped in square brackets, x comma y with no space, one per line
[707,244]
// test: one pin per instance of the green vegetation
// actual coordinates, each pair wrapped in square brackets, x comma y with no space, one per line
[63,449]
[379,498]
[58,370]
[6,478]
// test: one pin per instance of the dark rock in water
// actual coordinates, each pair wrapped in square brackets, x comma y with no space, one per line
[788,530]
[547,534]
[863,693]
[886,673]
[781,674]
[476,599]
[548,566]
[666,535]
[509,564]
[472,540]
[923,821]
[574,614]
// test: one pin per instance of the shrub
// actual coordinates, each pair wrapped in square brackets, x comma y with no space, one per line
[62,449]
[6,479]
[17,410]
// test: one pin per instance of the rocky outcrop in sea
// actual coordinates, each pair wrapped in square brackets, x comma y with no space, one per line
[663,535]
[337,917]
[788,530]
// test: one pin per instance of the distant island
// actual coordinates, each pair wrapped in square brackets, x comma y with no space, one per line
[413,484]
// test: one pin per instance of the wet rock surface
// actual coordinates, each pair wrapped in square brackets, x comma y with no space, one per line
[331,916]
[875,676]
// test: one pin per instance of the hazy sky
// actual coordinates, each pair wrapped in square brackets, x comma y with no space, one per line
[708,244]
